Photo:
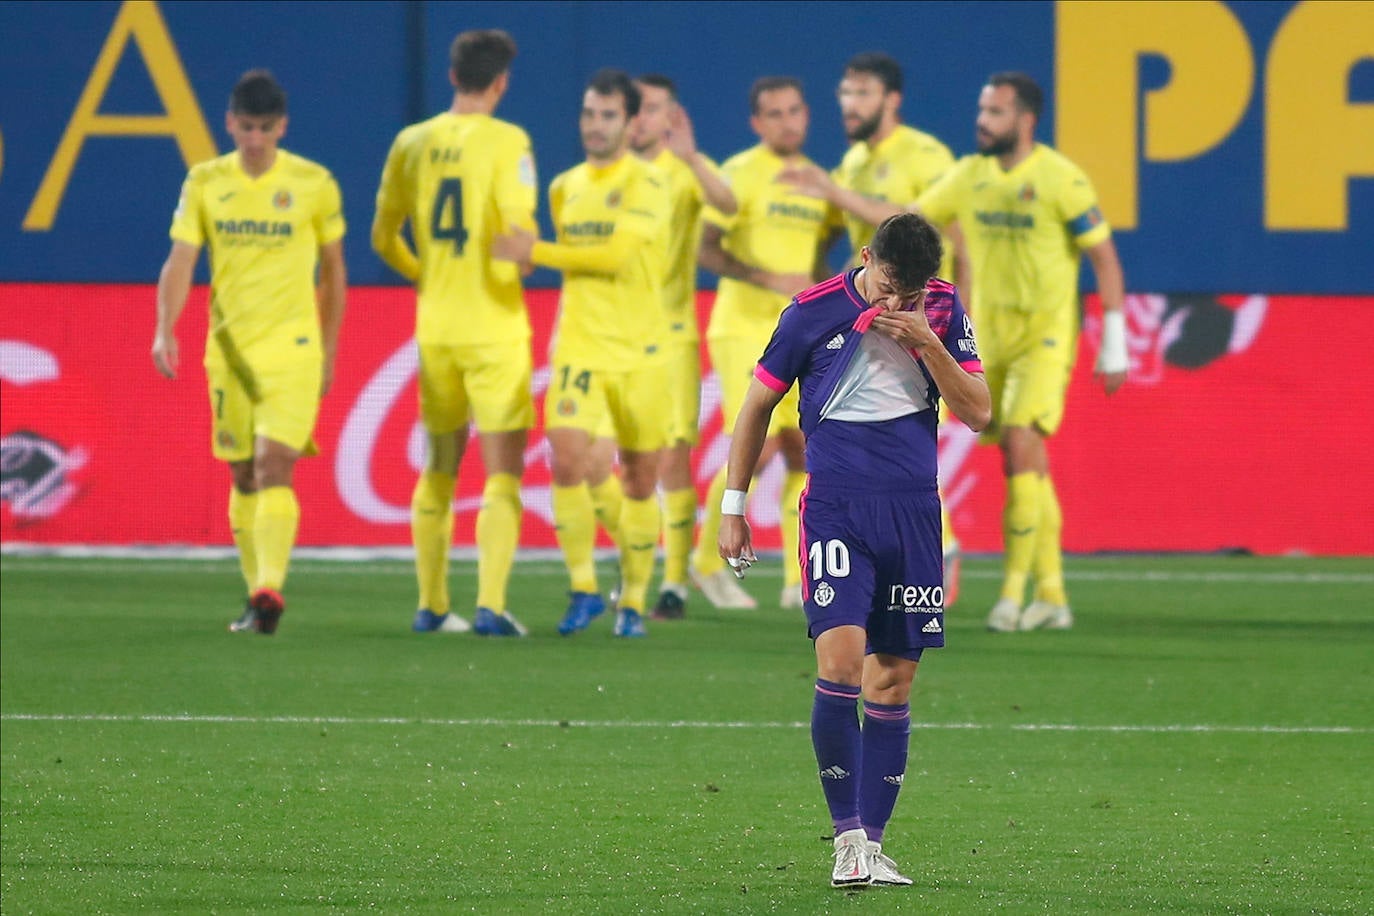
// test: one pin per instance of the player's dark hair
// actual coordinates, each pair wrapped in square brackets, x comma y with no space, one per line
[910,247]
[881,65]
[1029,96]
[610,81]
[257,93]
[659,81]
[771,84]
[477,57]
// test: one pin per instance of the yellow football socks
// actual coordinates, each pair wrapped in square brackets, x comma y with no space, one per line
[789,521]
[679,527]
[431,531]
[606,497]
[1020,519]
[274,533]
[639,523]
[706,558]
[243,508]
[498,534]
[574,519]
[1049,552]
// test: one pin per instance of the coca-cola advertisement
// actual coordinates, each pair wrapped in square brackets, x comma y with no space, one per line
[1228,435]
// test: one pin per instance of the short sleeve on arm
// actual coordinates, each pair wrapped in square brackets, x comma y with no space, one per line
[186,221]
[787,353]
[517,183]
[959,339]
[329,215]
[1079,210]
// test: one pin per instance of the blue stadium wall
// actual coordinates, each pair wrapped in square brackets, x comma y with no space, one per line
[1232,143]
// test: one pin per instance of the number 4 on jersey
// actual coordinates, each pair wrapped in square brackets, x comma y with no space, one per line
[448,201]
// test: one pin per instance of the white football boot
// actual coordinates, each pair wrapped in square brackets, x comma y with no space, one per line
[883,869]
[851,860]
[1043,614]
[1004,616]
[723,590]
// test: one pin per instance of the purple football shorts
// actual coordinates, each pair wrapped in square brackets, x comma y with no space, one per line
[872,559]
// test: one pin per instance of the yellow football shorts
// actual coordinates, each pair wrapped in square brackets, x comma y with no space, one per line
[488,384]
[734,360]
[280,404]
[584,398]
[1027,365]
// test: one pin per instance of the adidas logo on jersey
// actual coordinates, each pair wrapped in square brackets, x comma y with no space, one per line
[835,342]
[932,626]
[834,772]
[895,780]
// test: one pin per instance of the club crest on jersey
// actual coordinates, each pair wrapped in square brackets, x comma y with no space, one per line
[613,198]
[226,439]
[1027,193]
[567,407]
[880,172]
[282,199]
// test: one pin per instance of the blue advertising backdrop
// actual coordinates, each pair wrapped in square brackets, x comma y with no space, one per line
[1232,143]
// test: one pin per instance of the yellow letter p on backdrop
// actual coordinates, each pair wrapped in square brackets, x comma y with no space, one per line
[1097,86]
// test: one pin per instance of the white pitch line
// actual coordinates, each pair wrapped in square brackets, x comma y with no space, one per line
[187,718]
[554,568]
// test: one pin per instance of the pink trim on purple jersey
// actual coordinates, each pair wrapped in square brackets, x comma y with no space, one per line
[771,380]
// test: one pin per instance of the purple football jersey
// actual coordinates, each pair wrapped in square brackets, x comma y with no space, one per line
[868,405]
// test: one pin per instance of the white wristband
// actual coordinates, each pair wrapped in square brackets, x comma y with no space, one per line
[732,503]
[1111,353]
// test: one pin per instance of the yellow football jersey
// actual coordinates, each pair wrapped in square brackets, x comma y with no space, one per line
[461,180]
[264,236]
[898,169]
[1025,228]
[610,317]
[687,200]
[775,228]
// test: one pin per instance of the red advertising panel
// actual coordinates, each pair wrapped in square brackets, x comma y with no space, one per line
[1233,432]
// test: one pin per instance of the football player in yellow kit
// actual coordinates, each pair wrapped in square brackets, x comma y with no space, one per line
[764,254]
[269,217]
[612,216]
[460,178]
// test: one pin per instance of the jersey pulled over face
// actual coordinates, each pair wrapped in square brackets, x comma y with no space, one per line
[263,236]
[461,180]
[868,405]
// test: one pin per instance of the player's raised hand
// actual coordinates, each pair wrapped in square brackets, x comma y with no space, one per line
[811,180]
[515,245]
[681,138]
[906,324]
[166,354]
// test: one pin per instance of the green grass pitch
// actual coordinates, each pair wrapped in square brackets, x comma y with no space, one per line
[1201,742]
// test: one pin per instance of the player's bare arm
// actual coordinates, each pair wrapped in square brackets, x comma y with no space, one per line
[681,140]
[965,392]
[173,286]
[814,181]
[1112,357]
[713,256]
[751,429]
[391,245]
[331,296]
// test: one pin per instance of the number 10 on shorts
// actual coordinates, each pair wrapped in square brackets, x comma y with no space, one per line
[829,558]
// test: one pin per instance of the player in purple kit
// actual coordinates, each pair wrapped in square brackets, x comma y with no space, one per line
[873,351]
